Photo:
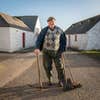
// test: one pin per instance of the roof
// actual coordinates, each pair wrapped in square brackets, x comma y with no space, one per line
[30,21]
[83,26]
[9,21]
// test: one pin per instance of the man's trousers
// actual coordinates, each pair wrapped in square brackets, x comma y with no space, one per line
[48,57]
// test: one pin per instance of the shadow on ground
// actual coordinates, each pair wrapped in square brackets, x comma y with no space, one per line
[28,92]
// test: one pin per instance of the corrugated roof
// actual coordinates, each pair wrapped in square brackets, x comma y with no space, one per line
[9,21]
[83,26]
[30,21]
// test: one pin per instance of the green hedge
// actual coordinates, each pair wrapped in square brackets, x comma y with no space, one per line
[92,53]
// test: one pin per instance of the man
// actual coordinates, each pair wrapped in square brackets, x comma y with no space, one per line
[52,42]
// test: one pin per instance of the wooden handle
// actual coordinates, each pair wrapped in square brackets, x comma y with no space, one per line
[38,66]
[63,61]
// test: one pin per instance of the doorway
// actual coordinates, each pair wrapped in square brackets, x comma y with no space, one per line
[23,40]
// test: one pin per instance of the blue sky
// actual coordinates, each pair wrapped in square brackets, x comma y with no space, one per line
[66,12]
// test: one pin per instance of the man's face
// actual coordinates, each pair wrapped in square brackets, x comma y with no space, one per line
[51,23]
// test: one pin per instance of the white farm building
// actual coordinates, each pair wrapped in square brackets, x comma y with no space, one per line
[18,33]
[84,35]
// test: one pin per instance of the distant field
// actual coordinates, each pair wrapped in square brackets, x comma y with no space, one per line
[92,53]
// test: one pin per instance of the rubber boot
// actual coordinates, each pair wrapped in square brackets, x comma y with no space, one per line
[50,81]
[63,84]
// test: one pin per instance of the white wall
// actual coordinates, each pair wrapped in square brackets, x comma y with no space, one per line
[4,39]
[81,42]
[37,30]
[16,39]
[11,38]
[37,26]
[94,37]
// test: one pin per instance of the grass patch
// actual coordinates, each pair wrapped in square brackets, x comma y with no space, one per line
[92,53]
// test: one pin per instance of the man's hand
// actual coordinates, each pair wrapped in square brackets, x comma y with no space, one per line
[36,51]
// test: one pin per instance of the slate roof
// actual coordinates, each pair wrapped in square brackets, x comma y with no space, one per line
[9,21]
[30,21]
[83,26]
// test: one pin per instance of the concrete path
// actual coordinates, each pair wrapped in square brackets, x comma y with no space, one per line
[84,69]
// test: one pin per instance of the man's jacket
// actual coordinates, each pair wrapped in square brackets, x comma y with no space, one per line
[41,37]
